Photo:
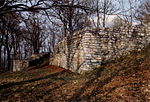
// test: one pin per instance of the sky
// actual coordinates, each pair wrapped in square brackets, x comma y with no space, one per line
[125,7]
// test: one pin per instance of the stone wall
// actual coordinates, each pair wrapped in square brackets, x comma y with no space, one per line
[19,65]
[91,48]
[59,57]
[37,60]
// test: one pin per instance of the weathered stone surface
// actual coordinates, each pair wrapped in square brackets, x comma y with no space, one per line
[34,60]
[94,47]
[19,65]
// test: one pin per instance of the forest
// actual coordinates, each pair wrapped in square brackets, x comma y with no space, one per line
[33,26]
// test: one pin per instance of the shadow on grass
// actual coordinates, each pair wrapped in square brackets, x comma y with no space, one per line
[135,89]
[52,76]
[76,96]
[124,64]
[49,91]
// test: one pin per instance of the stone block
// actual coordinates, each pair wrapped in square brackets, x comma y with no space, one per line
[107,44]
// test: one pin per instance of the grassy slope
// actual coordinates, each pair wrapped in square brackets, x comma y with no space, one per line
[126,79]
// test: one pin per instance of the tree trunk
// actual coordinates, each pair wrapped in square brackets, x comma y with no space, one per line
[69,38]
[0,56]
[69,52]
[104,13]
[4,58]
[131,13]
[98,18]
[8,60]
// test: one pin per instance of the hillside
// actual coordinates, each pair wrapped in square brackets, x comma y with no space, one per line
[126,79]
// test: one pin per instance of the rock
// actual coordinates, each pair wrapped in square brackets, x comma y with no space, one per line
[103,45]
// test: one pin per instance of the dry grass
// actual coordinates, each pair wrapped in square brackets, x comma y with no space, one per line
[126,79]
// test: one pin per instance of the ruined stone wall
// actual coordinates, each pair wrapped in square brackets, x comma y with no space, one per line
[35,60]
[59,57]
[19,65]
[91,48]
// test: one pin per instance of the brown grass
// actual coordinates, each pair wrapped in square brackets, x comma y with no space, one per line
[126,79]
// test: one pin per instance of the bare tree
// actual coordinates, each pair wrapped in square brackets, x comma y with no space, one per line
[107,7]
[71,19]
[143,11]
[1,45]
[97,11]
[131,11]
[8,30]
[34,32]
[128,10]
[34,5]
